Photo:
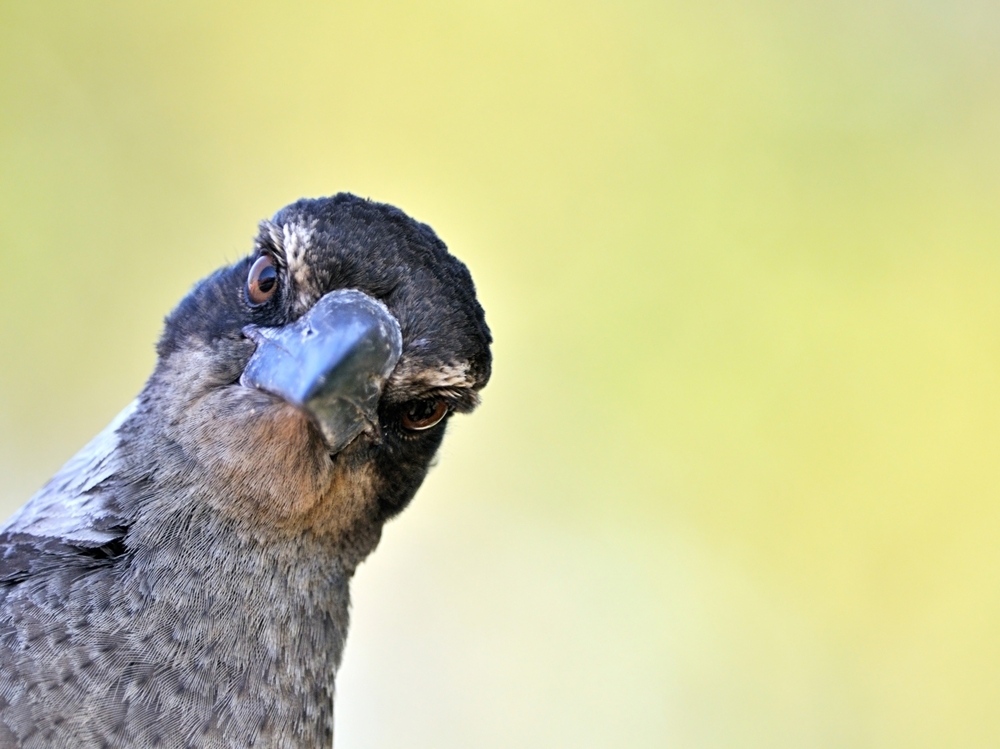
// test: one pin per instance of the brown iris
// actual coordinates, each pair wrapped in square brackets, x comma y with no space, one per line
[424,414]
[262,281]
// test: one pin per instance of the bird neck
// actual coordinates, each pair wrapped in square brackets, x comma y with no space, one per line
[254,621]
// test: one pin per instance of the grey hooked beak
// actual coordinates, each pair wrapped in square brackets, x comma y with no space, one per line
[332,362]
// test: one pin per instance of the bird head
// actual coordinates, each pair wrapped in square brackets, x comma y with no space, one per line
[307,387]
[188,570]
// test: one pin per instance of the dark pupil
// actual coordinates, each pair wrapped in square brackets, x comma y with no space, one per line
[267,278]
[423,411]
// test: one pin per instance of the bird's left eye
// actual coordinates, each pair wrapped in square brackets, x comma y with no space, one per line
[262,281]
[424,414]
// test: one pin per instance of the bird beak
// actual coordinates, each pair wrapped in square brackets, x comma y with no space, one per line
[332,362]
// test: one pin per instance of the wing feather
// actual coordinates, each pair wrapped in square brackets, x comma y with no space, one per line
[72,506]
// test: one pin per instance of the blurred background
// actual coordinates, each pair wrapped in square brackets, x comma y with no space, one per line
[735,480]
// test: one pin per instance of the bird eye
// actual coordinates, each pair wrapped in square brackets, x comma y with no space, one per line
[424,414]
[262,281]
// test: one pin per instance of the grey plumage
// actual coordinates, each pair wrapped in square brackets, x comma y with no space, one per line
[183,582]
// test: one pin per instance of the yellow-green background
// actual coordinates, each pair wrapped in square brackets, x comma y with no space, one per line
[735,481]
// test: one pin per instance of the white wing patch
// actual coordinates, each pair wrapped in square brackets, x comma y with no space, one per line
[66,507]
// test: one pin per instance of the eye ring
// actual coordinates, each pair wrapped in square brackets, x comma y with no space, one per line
[422,415]
[262,281]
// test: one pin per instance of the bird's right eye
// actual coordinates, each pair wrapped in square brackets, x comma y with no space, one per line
[262,281]
[423,415]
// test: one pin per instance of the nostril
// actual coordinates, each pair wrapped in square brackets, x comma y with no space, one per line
[253,333]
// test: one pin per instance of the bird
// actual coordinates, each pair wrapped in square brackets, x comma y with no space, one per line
[184,580]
